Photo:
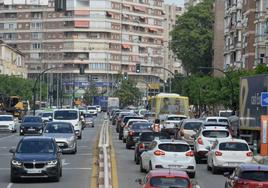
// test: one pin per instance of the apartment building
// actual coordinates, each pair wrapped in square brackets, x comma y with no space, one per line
[105,38]
[171,62]
[11,61]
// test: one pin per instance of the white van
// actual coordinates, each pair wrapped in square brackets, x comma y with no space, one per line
[71,116]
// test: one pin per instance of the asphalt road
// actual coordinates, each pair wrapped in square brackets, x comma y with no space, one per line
[76,168]
[128,171]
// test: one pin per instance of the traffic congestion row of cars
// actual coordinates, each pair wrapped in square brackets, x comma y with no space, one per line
[46,137]
[170,156]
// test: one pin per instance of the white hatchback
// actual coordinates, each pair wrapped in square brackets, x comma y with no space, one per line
[205,138]
[166,153]
[228,154]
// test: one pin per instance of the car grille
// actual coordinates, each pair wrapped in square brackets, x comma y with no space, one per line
[4,126]
[36,165]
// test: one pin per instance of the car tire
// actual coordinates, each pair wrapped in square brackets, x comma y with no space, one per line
[137,160]
[197,159]
[80,136]
[21,134]
[128,146]
[75,150]
[191,174]
[56,179]
[150,166]
[208,168]
[141,167]
[214,169]
[124,140]
[60,172]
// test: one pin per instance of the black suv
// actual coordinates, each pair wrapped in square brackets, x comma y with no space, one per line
[31,125]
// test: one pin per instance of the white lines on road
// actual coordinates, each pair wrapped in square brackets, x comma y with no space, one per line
[9,185]
[7,137]
[84,154]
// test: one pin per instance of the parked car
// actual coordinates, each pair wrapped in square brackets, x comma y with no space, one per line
[205,137]
[36,157]
[176,154]
[31,125]
[248,175]
[64,135]
[143,142]
[7,123]
[128,126]
[134,130]
[227,154]
[166,178]
[89,119]
[188,129]
[92,110]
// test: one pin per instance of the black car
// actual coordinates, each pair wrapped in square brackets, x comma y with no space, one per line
[36,157]
[144,141]
[31,125]
[134,130]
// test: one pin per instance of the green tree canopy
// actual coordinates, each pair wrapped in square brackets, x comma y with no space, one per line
[192,36]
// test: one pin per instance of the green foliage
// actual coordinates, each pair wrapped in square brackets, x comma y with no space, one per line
[192,36]
[90,93]
[128,94]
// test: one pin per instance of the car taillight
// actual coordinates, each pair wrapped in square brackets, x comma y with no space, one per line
[131,133]
[200,141]
[218,153]
[141,146]
[190,154]
[159,153]
[249,154]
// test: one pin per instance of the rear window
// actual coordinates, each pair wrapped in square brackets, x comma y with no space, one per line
[215,134]
[233,146]
[212,120]
[192,125]
[254,175]
[141,126]
[174,118]
[125,120]
[150,136]
[169,182]
[174,147]
[223,120]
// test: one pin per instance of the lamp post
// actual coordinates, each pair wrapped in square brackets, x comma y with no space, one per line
[230,82]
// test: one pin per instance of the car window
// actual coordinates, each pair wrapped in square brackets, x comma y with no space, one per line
[174,118]
[6,118]
[192,125]
[150,136]
[36,146]
[88,115]
[174,147]
[254,175]
[59,128]
[223,120]
[141,126]
[215,134]
[65,115]
[212,120]
[169,182]
[47,114]
[32,119]
[233,146]
[91,108]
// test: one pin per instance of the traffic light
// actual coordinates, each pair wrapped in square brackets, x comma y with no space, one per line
[125,76]
[138,68]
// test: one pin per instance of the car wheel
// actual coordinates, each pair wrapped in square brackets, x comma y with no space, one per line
[60,172]
[197,159]
[208,168]
[141,167]
[80,136]
[150,166]
[124,140]
[225,186]
[191,174]
[21,134]
[128,146]
[214,169]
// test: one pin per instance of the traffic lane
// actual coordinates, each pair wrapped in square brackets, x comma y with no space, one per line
[128,171]
[76,168]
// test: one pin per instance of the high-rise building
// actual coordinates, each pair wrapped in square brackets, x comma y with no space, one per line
[105,38]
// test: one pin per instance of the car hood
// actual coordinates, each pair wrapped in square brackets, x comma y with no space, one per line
[31,124]
[59,135]
[34,157]
[72,121]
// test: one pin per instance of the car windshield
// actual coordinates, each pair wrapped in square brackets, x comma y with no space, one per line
[192,126]
[32,119]
[65,115]
[47,114]
[215,134]
[255,175]
[167,182]
[141,126]
[6,118]
[170,147]
[58,128]
[36,147]
[175,118]
[233,146]
[212,120]
[150,136]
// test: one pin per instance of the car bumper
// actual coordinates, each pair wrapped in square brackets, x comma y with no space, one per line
[31,132]
[223,164]
[187,167]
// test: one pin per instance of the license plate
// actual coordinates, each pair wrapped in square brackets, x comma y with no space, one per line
[60,144]
[174,166]
[31,129]
[34,171]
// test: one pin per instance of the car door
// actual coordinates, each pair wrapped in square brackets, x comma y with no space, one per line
[211,154]
[146,156]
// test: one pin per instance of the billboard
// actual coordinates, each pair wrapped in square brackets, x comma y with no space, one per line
[26,2]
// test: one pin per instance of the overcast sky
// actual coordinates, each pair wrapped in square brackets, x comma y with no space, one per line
[177,2]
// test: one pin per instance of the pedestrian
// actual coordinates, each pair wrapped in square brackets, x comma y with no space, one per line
[156,125]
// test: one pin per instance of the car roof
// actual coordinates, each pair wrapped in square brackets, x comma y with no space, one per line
[168,172]
[31,116]
[192,120]
[232,140]
[253,167]
[37,138]
[58,122]
[67,109]
[176,115]
[138,120]
[216,117]
[220,124]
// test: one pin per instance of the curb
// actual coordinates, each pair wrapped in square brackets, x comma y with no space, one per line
[101,169]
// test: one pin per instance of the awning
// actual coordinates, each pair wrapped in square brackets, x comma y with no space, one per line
[126,46]
[81,24]
[153,29]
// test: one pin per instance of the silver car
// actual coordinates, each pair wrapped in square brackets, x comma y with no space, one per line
[64,135]
[89,119]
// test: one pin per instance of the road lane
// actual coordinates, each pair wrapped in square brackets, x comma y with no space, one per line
[128,171]
[76,168]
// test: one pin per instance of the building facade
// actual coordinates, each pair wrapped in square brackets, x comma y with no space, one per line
[105,38]
[11,61]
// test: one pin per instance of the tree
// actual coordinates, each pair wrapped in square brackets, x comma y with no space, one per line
[192,36]
[128,94]
[90,93]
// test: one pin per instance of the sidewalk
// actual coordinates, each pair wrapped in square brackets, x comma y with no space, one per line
[258,159]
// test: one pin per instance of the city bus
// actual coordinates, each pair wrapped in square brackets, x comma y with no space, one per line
[164,104]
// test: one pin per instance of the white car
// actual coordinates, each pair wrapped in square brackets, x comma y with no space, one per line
[228,154]
[205,138]
[172,123]
[128,124]
[46,116]
[7,123]
[166,153]
[215,119]
[92,110]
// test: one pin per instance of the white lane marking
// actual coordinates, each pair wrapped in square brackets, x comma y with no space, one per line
[7,137]
[9,185]
[64,162]
[84,154]
[76,168]
[83,146]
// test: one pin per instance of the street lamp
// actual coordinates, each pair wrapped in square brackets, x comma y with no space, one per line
[230,82]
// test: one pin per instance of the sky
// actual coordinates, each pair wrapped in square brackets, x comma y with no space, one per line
[177,2]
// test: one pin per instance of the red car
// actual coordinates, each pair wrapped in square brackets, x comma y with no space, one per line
[165,178]
[248,176]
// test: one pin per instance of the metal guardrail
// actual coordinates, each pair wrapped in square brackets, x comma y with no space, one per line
[103,145]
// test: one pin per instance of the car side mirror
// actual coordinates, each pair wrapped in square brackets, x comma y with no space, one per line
[139,181]
[12,150]
[226,174]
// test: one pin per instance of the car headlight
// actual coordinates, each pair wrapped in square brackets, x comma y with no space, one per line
[16,163]
[52,163]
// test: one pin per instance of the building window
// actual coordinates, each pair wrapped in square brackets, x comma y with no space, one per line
[36,25]
[36,15]
[36,46]
[37,35]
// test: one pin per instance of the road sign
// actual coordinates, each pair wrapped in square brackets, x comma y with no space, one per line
[264,99]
